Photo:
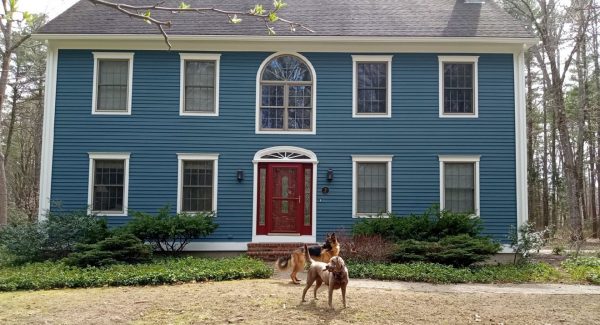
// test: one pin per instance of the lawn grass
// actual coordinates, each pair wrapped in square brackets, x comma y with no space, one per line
[50,275]
[437,273]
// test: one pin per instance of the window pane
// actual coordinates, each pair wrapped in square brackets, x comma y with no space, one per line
[459,183]
[372,87]
[197,186]
[371,188]
[271,118]
[299,96]
[108,185]
[299,118]
[272,96]
[262,185]
[286,68]
[307,195]
[200,86]
[458,87]
[112,85]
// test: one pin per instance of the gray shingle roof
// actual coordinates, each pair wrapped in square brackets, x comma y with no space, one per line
[391,18]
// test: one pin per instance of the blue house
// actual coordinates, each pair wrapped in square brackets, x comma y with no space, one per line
[389,106]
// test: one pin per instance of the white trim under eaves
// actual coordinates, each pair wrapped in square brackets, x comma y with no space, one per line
[181,157]
[48,133]
[370,158]
[371,58]
[459,59]
[520,139]
[105,156]
[460,159]
[112,55]
[214,57]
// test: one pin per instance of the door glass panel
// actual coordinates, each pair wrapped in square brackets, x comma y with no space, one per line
[284,194]
[307,195]
[263,185]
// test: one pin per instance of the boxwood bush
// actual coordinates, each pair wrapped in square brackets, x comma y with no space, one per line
[49,275]
[434,236]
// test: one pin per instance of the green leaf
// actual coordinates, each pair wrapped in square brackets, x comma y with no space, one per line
[147,14]
[257,10]
[273,17]
[183,5]
[279,4]
[235,19]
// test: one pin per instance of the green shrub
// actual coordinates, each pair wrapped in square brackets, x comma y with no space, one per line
[52,238]
[429,226]
[461,250]
[49,275]
[525,239]
[583,269]
[124,248]
[170,233]
[438,273]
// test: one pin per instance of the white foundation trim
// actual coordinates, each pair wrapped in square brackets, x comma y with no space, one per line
[217,246]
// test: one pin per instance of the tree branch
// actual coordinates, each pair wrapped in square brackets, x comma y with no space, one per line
[144,12]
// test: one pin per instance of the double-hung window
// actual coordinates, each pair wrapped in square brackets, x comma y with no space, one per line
[459,184]
[371,185]
[197,188]
[113,76]
[108,183]
[458,86]
[372,86]
[199,84]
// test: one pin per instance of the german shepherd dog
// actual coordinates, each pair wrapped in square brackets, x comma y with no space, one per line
[296,260]
[334,274]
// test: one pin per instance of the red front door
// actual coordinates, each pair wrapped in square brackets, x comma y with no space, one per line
[284,200]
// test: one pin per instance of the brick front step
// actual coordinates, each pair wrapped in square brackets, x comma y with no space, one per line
[272,251]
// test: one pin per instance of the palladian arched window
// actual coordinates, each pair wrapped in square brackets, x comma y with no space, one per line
[286,95]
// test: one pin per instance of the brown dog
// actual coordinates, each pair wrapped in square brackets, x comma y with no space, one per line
[334,274]
[296,260]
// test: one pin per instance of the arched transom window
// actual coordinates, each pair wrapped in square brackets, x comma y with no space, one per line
[286,95]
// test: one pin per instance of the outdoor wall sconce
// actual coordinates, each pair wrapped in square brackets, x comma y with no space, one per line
[240,175]
[330,174]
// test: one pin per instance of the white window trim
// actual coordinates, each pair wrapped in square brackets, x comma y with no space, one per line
[459,59]
[459,159]
[198,57]
[371,58]
[112,55]
[370,158]
[313,121]
[181,157]
[108,156]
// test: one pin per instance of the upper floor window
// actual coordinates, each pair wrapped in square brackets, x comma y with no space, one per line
[458,86]
[286,95]
[199,84]
[108,183]
[372,83]
[113,75]
[459,184]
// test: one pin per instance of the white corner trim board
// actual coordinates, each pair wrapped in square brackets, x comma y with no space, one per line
[370,158]
[214,57]
[93,156]
[459,159]
[115,56]
[459,59]
[48,133]
[313,120]
[520,139]
[181,157]
[356,59]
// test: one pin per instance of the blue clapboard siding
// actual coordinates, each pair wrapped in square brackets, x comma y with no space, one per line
[415,135]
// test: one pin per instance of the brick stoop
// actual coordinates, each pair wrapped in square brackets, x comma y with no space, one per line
[272,251]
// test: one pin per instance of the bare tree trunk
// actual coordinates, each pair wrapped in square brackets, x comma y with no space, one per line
[545,197]
[6,57]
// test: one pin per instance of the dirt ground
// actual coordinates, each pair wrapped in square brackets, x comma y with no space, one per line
[275,301]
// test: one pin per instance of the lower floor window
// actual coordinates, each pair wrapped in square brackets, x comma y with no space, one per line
[197,182]
[108,183]
[460,184]
[372,188]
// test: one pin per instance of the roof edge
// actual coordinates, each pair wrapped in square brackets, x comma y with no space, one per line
[529,41]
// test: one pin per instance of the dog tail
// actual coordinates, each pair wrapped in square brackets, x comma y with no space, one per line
[307,255]
[283,263]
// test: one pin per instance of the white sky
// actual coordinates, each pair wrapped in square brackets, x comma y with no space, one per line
[51,7]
